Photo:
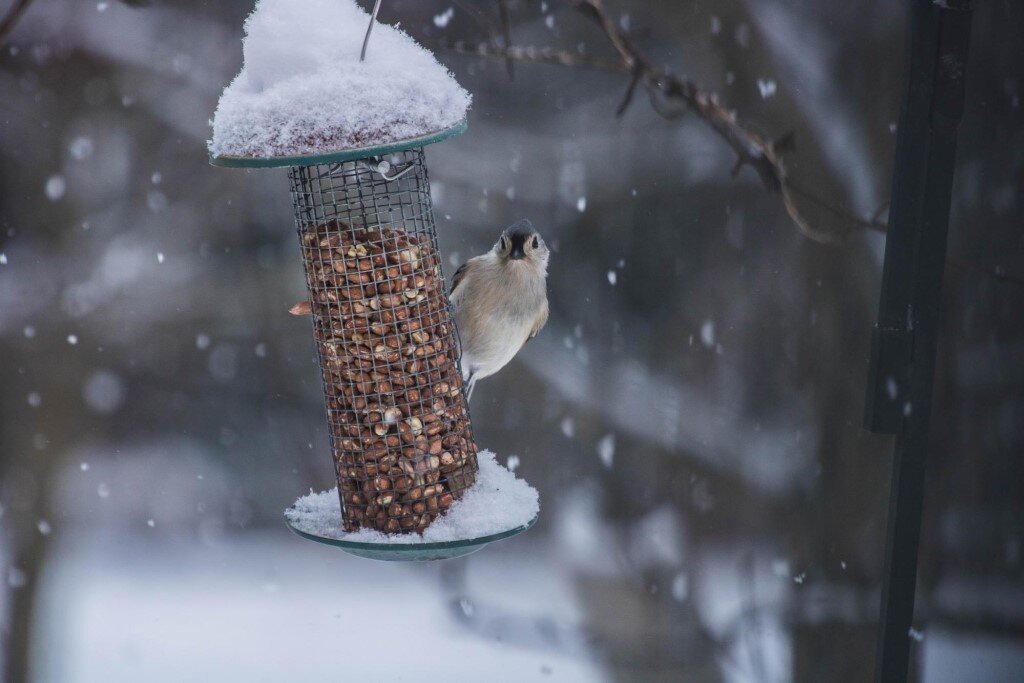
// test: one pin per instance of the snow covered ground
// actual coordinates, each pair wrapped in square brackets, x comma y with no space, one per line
[267,606]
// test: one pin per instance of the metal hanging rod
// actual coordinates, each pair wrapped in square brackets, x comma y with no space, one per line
[369,29]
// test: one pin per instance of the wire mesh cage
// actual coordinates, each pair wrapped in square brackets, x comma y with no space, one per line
[400,430]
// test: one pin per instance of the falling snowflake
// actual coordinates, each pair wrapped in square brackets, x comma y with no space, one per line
[606,450]
[441,20]
[707,333]
[581,204]
[767,87]
[680,587]
[568,427]
[72,339]
[55,187]
[81,148]
[104,392]
[612,277]
[16,578]
[44,527]
[513,463]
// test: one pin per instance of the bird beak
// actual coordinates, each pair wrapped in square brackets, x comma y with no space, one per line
[517,252]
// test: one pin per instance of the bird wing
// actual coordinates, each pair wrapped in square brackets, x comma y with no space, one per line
[457,279]
[537,324]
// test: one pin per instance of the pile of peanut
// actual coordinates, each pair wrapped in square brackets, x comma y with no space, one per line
[400,431]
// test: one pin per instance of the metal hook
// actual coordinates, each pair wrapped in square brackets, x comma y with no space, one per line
[382,166]
[366,40]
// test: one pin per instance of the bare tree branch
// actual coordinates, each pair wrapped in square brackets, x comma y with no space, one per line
[751,149]
[535,55]
[11,18]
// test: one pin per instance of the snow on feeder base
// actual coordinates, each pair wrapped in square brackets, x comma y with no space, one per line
[352,134]
[498,506]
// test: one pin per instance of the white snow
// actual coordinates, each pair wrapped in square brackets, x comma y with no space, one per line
[497,502]
[55,187]
[441,20]
[606,450]
[707,333]
[81,148]
[302,88]
[767,87]
[104,392]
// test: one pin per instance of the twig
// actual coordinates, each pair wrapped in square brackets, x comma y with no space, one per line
[628,98]
[506,32]
[535,55]
[11,18]
[751,149]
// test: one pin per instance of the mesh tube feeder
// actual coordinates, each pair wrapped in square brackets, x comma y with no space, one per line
[400,429]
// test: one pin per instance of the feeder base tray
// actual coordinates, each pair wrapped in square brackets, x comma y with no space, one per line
[413,552]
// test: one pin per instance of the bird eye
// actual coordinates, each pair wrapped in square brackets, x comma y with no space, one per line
[535,243]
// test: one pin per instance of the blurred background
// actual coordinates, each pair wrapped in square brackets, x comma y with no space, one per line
[711,508]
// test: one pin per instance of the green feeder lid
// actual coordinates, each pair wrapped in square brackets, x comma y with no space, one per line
[350,154]
[413,552]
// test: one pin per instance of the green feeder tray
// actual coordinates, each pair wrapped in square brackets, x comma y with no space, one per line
[412,552]
[351,154]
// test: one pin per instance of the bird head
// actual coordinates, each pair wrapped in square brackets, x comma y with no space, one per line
[520,242]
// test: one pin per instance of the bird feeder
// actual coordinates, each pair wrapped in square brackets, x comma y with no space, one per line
[400,430]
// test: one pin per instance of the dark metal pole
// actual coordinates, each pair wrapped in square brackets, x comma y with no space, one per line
[904,341]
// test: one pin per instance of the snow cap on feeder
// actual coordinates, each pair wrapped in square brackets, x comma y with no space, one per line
[304,92]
